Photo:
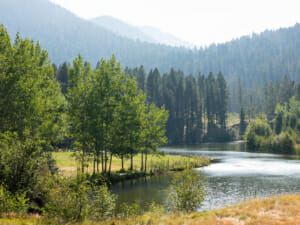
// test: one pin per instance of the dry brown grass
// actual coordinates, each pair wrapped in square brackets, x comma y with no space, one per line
[284,210]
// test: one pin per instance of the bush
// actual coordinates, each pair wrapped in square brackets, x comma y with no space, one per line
[10,203]
[156,208]
[73,201]
[103,203]
[258,135]
[186,191]
[67,201]
[282,143]
[217,134]
[21,161]
[130,210]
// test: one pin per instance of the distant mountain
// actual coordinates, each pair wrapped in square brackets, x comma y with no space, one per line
[121,28]
[146,33]
[65,35]
[255,59]
[165,38]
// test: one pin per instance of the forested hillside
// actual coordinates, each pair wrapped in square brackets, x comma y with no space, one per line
[255,59]
[65,35]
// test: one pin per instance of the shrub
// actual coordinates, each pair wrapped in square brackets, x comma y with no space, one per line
[130,210]
[10,203]
[282,143]
[75,200]
[156,208]
[67,201]
[103,203]
[186,191]
[258,135]
[21,161]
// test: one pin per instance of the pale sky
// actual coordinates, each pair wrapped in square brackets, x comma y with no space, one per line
[201,22]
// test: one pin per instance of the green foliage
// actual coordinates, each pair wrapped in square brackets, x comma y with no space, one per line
[282,143]
[12,203]
[75,200]
[186,191]
[256,58]
[258,135]
[30,95]
[156,208]
[132,210]
[279,119]
[67,201]
[242,121]
[109,115]
[21,161]
[103,203]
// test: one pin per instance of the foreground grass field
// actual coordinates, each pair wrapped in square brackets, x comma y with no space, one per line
[68,165]
[283,210]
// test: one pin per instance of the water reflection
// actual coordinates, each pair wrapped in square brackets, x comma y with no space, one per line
[237,175]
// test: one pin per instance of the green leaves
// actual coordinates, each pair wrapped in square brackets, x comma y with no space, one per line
[186,191]
[30,95]
[71,200]
[20,161]
[12,203]
[108,114]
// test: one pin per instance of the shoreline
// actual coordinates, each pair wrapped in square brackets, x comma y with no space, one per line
[157,164]
[282,210]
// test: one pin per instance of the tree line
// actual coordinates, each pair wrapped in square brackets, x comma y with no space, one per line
[278,129]
[256,58]
[197,106]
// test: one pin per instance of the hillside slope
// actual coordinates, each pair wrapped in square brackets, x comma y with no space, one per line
[65,35]
[255,59]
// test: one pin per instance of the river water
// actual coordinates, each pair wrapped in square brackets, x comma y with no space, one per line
[235,176]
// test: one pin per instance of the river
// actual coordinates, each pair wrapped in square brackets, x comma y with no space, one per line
[235,176]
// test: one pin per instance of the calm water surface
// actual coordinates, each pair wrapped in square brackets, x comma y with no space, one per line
[235,177]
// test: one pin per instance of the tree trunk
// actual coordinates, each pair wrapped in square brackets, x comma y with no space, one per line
[82,163]
[142,162]
[146,162]
[122,160]
[105,161]
[102,162]
[94,166]
[97,162]
[131,162]
[110,163]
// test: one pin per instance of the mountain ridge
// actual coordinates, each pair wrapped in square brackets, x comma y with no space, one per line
[142,33]
[256,59]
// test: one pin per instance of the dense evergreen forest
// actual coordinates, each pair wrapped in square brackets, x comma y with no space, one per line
[197,106]
[278,129]
[255,59]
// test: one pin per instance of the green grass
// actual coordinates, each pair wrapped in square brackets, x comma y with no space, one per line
[68,166]
[232,119]
[297,149]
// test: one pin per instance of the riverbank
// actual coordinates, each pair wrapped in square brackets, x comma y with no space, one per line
[157,164]
[277,210]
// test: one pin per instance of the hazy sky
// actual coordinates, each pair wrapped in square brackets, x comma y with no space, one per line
[198,21]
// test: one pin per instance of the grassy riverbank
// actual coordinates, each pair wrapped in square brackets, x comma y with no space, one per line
[282,210]
[156,163]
